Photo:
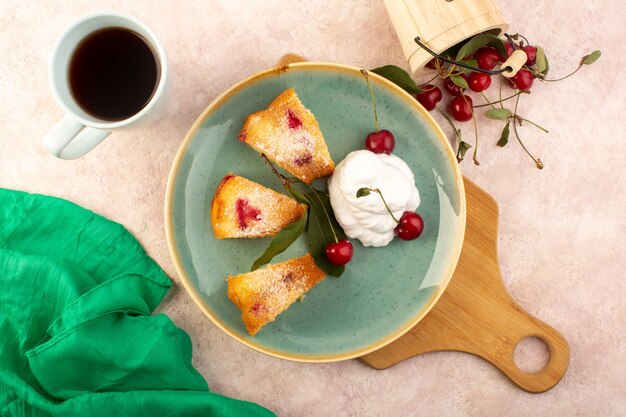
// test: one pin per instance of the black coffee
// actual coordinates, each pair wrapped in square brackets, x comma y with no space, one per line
[113,73]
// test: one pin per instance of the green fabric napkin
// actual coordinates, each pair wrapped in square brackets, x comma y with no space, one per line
[76,334]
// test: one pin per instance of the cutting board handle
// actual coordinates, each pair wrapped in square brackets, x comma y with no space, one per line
[501,352]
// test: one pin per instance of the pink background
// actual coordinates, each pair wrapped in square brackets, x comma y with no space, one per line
[561,229]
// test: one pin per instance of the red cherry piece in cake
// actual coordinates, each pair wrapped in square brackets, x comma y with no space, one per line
[293,121]
[246,213]
[380,142]
[339,253]
[255,309]
[303,160]
[242,137]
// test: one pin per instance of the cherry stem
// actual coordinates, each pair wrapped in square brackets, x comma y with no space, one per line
[559,79]
[457,132]
[427,82]
[533,123]
[367,79]
[489,103]
[376,190]
[537,161]
[475,133]
[286,181]
[287,185]
[503,99]
[523,37]
[500,94]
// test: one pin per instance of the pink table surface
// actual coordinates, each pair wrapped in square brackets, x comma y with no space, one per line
[561,229]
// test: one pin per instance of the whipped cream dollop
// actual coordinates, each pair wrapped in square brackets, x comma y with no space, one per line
[366,218]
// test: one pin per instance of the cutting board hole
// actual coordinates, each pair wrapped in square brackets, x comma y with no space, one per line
[531,354]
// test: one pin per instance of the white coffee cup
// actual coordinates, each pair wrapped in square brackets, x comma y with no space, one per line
[79,132]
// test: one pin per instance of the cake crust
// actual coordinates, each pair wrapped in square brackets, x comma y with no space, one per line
[242,208]
[288,134]
[263,294]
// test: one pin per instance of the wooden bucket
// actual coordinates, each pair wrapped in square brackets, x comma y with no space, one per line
[441,24]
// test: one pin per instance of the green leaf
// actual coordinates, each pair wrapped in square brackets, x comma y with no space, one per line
[463,148]
[362,192]
[322,222]
[541,60]
[498,114]
[478,42]
[504,138]
[320,226]
[591,58]
[299,196]
[471,63]
[281,241]
[398,76]
[458,80]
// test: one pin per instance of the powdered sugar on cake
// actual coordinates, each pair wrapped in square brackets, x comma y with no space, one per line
[288,134]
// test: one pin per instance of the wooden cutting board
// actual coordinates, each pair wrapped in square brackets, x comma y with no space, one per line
[476,314]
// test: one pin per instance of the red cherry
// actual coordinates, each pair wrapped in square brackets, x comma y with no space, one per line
[431,64]
[452,88]
[339,253]
[461,108]
[380,142]
[509,50]
[479,81]
[531,52]
[429,97]
[523,80]
[487,58]
[411,226]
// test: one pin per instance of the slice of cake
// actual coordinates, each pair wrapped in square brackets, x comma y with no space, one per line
[288,134]
[263,294]
[243,208]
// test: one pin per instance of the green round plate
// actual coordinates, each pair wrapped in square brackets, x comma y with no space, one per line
[384,291]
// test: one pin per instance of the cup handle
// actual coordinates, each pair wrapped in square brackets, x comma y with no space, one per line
[70,139]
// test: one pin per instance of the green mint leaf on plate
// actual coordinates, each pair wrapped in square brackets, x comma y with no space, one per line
[399,77]
[458,80]
[362,192]
[591,58]
[478,42]
[498,114]
[281,241]
[504,138]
